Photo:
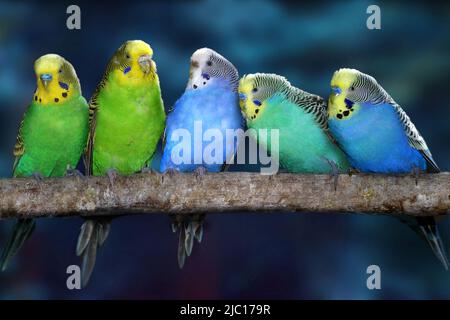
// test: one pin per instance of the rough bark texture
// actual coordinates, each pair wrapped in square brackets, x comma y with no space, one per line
[225,192]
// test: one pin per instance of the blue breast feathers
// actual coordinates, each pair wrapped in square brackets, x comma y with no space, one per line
[196,129]
[375,141]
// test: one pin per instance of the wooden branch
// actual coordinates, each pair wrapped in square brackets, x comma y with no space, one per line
[225,192]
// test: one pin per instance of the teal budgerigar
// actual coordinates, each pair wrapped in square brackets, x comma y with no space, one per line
[127,119]
[378,136]
[209,103]
[52,135]
[269,101]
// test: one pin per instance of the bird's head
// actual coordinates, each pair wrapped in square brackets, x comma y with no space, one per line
[256,89]
[133,62]
[208,67]
[56,79]
[351,91]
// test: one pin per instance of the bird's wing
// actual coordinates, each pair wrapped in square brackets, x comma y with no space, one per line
[19,147]
[415,139]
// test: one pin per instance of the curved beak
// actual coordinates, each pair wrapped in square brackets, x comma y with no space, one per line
[46,78]
[336,90]
[146,63]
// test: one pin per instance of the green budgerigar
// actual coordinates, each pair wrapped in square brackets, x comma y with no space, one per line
[127,119]
[269,101]
[52,135]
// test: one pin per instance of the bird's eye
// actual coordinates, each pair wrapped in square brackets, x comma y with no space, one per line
[128,56]
[255,90]
[60,71]
[352,88]
[209,63]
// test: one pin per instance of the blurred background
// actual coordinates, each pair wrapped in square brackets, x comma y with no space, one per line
[253,256]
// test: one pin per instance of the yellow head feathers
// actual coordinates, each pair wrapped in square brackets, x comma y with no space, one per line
[250,106]
[56,80]
[133,64]
[341,84]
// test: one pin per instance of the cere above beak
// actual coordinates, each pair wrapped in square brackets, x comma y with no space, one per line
[145,61]
[46,78]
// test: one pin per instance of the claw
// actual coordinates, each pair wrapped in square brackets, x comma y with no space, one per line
[334,172]
[171,172]
[415,171]
[200,171]
[147,170]
[112,176]
[75,173]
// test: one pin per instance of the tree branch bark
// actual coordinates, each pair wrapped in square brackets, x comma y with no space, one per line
[184,193]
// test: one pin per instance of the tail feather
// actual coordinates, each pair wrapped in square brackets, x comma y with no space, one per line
[190,228]
[22,231]
[426,227]
[92,236]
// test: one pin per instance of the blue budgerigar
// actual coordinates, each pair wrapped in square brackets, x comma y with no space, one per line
[379,137]
[209,106]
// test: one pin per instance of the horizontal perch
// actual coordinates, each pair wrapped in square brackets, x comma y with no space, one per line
[225,192]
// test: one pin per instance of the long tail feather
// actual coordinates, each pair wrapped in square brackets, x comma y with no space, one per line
[22,231]
[190,228]
[92,236]
[426,227]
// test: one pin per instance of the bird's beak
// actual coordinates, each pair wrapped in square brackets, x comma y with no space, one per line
[242,97]
[46,78]
[146,63]
[336,90]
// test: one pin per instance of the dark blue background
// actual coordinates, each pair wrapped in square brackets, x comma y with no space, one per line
[273,256]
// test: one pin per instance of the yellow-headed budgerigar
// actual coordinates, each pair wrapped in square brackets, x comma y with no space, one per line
[127,119]
[269,101]
[52,135]
[210,102]
[378,136]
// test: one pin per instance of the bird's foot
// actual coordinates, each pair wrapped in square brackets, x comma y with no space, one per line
[171,172]
[38,178]
[334,173]
[352,171]
[112,176]
[147,170]
[415,172]
[200,172]
[70,172]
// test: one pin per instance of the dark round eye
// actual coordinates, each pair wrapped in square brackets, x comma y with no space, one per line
[60,71]
[209,63]
[128,56]
[255,90]
[352,88]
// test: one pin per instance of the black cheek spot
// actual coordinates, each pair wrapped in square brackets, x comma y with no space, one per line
[195,86]
[56,99]
[40,100]
[64,94]
[35,98]
[339,116]
[346,113]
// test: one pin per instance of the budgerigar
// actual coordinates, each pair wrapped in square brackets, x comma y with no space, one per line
[52,135]
[269,101]
[127,119]
[210,101]
[379,137]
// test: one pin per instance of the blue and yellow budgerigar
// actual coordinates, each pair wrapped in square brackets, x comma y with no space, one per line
[378,136]
[210,102]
